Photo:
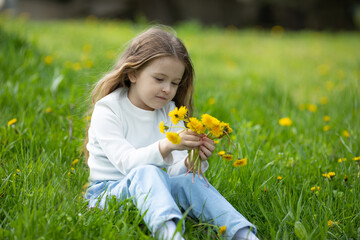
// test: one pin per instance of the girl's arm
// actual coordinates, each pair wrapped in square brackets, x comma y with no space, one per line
[106,131]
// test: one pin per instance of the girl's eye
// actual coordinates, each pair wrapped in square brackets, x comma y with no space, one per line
[158,79]
[175,83]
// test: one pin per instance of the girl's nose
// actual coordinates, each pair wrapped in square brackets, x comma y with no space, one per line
[166,88]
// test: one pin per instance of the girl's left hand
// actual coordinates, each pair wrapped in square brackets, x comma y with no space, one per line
[206,149]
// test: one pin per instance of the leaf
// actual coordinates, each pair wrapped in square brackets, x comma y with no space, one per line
[300,230]
[346,146]
[57,80]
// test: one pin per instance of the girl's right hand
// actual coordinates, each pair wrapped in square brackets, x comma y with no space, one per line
[189,140]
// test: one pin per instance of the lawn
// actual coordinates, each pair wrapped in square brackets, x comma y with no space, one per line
[302,178]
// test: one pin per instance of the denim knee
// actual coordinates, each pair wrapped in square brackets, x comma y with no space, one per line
[146,169]
[148,173]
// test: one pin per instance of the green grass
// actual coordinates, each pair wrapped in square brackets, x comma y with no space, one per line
[248,78]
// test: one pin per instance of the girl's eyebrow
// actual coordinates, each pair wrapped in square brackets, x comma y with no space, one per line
[163,74]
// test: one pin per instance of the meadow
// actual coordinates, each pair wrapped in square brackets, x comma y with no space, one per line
[291,98]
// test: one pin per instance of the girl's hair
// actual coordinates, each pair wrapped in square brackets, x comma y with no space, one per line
[149,45]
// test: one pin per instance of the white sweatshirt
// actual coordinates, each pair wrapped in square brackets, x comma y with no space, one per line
[123,136]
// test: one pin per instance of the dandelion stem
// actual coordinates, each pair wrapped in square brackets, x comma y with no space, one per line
[228,137]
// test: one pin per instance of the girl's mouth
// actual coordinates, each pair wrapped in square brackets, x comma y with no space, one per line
[162,98]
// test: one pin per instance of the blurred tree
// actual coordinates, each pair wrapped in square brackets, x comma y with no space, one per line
[291,14]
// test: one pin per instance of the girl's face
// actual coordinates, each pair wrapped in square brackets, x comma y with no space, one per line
[156,84]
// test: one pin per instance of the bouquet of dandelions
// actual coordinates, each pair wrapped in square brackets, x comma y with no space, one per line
[208,126]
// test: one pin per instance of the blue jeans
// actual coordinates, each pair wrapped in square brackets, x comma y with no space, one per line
[160,196]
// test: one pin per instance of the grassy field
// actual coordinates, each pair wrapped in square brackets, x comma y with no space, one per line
[249,78]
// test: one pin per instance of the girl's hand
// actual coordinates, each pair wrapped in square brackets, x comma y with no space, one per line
[206,148]
[189,140]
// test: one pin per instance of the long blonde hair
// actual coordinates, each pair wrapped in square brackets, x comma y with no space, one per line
[153,43]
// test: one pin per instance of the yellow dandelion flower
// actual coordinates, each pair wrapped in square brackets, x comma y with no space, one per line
[87,48]
[342,160]
[326,128]
[76,160]
[356,158]
[48,110]
[226,127]
[326,175]
[178,114]
[285,122]
[12,121]
[345,177]
[162,127]
[315,188]
[215,121]
[196,126]
[48,60]
[206,120]
[331,223]
[326,118]
[182,112]
[331,174]
[85,186]
[265,190]
[173,137]
[279,178]
[209,121]
[312,107]
[72,169]
[216,141]
[323,69]
[222,229]
[211,101]
[228,157]
[231,64]
[346,134]
[217,131]
[329,85]
[88,64]
[76,66]
[240,162]
[324,100]
[221,153]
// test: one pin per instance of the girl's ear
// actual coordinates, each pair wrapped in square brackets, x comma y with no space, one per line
[132,77]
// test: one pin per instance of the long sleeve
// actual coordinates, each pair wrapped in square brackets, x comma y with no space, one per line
[108,130]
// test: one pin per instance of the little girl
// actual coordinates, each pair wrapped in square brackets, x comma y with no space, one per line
[127,152]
